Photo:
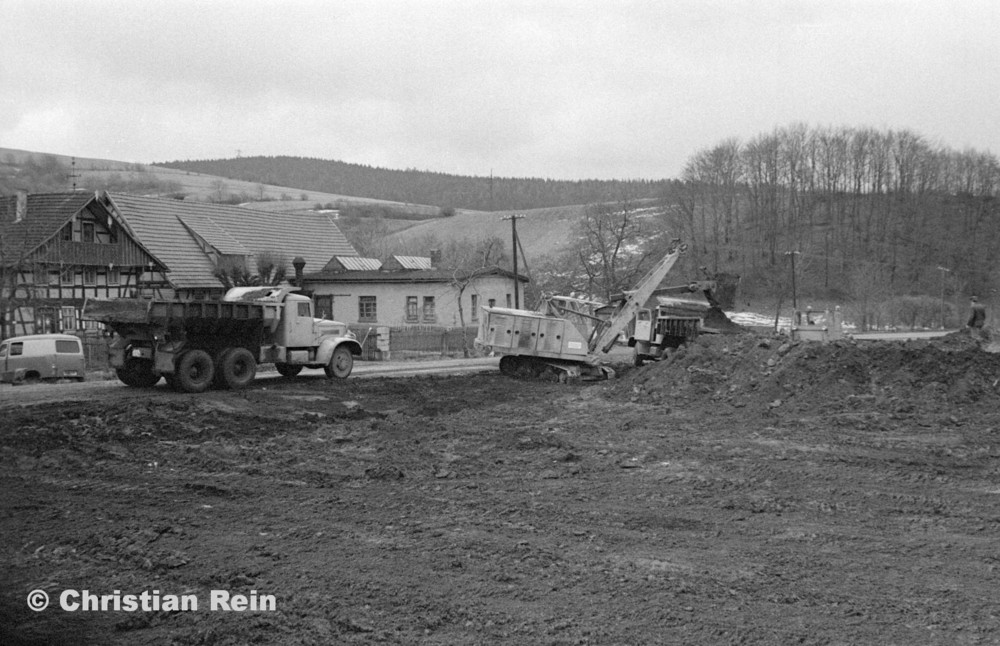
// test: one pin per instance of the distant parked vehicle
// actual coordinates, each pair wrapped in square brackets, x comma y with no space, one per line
[41,356]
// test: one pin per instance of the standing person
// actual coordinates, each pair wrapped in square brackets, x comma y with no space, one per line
[977,318]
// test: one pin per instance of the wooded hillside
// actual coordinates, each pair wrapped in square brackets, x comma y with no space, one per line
[871,215]
[420,187]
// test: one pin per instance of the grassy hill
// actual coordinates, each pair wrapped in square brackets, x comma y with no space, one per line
[407,228]
[87,172]
[542,231]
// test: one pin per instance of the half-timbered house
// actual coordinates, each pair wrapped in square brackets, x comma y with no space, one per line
[56,249]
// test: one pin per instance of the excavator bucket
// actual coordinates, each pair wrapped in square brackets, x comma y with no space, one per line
[715,320]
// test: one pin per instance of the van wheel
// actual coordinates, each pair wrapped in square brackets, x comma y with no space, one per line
[237,368]
[287,369]
[194,371]
[137,373]
[341,364]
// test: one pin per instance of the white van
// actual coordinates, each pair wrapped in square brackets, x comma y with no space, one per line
[41,356]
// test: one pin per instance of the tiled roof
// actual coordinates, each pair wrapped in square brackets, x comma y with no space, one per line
[356,263]
[412,262]
[47,214]
[214,235]
[160,224]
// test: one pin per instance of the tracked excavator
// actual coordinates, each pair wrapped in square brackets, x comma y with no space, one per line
[566,337]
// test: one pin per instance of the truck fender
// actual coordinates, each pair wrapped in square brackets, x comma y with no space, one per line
[166,355]
[327,346]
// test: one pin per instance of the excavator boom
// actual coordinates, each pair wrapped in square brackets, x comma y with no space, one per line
[607,332]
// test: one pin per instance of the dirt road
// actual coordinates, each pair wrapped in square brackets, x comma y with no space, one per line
[22,394]
[746,491]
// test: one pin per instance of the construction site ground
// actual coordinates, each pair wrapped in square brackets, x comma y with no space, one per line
[746,490]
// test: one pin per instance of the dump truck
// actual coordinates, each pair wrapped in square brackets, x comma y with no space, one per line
[197,344]
[673,316]
[566,337]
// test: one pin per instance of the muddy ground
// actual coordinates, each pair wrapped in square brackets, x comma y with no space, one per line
[747,490]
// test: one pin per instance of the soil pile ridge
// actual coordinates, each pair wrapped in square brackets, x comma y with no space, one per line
[769,373]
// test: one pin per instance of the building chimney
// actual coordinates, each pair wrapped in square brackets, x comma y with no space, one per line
[21,206]
[299,263]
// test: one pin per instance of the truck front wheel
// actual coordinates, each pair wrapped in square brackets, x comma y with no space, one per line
[137,373]
[194,371]
[287,369]
[341,363]
[237,368]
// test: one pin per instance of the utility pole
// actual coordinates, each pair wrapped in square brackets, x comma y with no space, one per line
[513,236]
[72,173]
[795,304]
[943,270]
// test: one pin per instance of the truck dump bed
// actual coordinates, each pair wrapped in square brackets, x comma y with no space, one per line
[193,317]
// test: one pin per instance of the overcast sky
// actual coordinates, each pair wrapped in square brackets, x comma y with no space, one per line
[564,90]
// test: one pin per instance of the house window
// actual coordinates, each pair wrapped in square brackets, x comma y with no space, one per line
[66,233]
[412,315]
[429,315]
[67,275]
[509,303]
[475,307]
[53,278]
[87,232]
[89,276]
[67,316]
[114,276]
[367,310]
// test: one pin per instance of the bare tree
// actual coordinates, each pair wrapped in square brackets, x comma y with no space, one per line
[612,250]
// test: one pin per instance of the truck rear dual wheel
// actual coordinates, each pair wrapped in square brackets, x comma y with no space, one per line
[193,372]
[236,368]
[341,363]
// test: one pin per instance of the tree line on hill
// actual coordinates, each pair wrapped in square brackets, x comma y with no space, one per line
[878,218]
[420,187]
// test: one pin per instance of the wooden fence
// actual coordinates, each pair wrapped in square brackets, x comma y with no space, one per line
[414,341]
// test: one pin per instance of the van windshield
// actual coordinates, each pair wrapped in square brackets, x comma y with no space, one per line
[68,347]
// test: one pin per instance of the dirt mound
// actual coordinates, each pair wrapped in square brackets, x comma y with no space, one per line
[770,373]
